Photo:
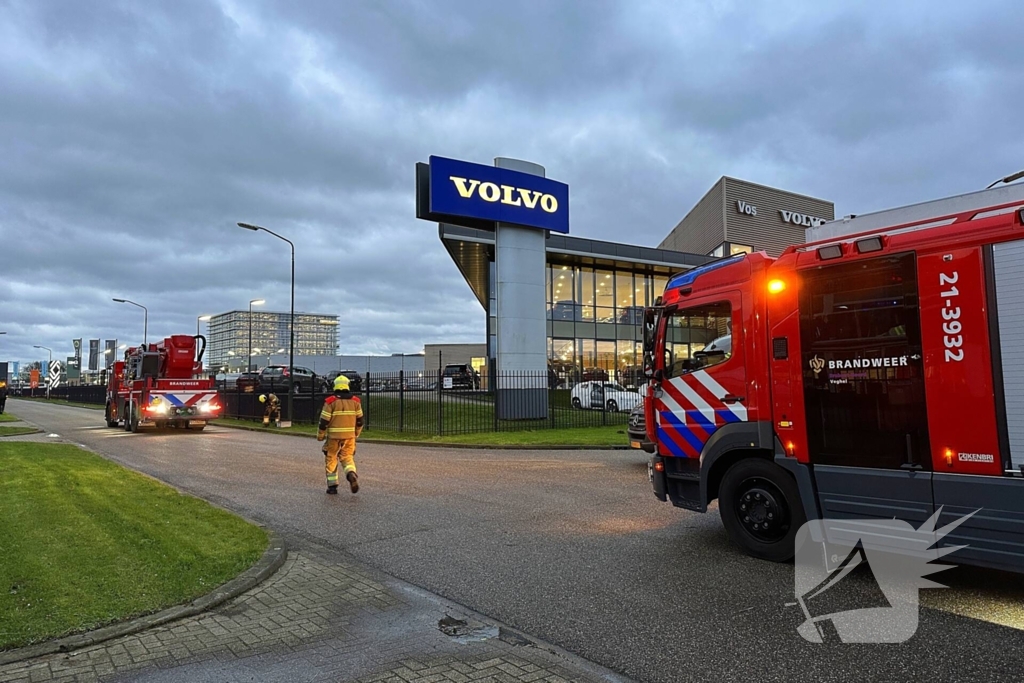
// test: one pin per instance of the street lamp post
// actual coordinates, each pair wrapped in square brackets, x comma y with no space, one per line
[48,364]
[248,351]
[145,320]
[291,325]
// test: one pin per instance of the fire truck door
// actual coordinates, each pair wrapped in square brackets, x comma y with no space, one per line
[864,389]
[703,385]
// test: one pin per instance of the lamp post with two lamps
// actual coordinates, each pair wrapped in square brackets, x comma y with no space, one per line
[291,323]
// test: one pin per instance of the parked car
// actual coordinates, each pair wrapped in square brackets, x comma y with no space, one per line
[462,376]
[355,381]
[637,430]
[604,396]
[247,381]
[276,377]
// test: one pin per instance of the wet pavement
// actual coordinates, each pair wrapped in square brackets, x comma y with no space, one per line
[569,546]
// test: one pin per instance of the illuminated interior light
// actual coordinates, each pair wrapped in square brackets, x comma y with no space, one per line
[776,286]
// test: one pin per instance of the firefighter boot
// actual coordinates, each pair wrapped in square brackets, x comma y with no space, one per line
[332,489]
[353,481]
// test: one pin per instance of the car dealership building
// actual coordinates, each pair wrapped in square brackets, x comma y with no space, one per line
[580,301]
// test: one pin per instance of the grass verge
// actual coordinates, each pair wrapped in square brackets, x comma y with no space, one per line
[611,435]
[62,402]
[7,417]
[87,543]
[17,431]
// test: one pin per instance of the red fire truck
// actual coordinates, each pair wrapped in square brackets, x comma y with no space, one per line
[875,374]
[161,385]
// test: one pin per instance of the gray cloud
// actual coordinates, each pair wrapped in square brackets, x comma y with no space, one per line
[133,137]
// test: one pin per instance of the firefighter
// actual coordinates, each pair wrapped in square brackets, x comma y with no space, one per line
[273,410]
[3,397]
[341,423]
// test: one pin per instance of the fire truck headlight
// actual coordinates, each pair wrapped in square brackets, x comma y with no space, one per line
[776,286]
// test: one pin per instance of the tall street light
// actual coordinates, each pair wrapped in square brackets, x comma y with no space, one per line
[291,325]
[50,362]
[254,302]
[145,320]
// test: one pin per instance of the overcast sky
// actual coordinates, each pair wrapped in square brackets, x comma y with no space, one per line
[133,135]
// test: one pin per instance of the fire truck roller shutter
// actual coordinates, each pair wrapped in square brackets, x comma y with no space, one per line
[1008,258]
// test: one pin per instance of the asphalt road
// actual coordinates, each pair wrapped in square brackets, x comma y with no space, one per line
[569,546]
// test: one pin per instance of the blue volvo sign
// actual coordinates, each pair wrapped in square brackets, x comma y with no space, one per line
[476,191]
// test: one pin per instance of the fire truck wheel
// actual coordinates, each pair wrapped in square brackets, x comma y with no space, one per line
[127,417]
[110,423]
[133,419]
[760,507]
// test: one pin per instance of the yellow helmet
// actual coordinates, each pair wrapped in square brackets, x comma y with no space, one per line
[341,383]
[263,398]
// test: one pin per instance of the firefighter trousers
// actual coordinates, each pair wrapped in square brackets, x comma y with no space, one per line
[343,450]
[271,415]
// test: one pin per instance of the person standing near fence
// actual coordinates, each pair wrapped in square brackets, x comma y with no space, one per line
[341,423]
[3,397]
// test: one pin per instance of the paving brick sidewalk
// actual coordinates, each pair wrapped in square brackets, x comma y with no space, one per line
[318,619]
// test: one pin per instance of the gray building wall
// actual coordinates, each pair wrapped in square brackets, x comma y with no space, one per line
[703,228]
[439,355]
[362,364]
[768,231]
[717,218]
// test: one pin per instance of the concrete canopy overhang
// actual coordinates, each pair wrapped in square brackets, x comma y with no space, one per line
[472,250]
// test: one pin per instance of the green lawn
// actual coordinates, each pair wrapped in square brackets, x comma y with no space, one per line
[16,431]
[7,417]
[85,542]
[610,435]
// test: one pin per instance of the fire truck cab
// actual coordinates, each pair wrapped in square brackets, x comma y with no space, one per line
[876,374]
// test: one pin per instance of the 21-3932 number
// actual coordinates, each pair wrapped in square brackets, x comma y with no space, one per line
[952,328]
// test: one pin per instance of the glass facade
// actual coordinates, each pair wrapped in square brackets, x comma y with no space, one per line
[228,343]
[594,316]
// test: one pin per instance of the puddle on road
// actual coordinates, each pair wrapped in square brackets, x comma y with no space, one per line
[461,631]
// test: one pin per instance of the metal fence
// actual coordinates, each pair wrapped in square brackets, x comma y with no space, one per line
[430,402]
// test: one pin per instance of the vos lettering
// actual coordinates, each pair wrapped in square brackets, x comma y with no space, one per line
[505,194]
[747,209]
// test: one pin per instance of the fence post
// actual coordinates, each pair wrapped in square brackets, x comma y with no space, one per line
[366,400]
[604,410]
[401,400]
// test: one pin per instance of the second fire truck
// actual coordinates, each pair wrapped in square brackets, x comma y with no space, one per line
[876,374]
[161,385]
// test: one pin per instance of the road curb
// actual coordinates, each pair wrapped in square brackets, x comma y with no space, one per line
[437,444]
[272,559]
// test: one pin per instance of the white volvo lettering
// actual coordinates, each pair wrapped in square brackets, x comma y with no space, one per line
[800,219]
[748,209]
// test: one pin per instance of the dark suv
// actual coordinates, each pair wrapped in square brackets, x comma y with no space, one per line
[462,376]
[355,382]
[276,377]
